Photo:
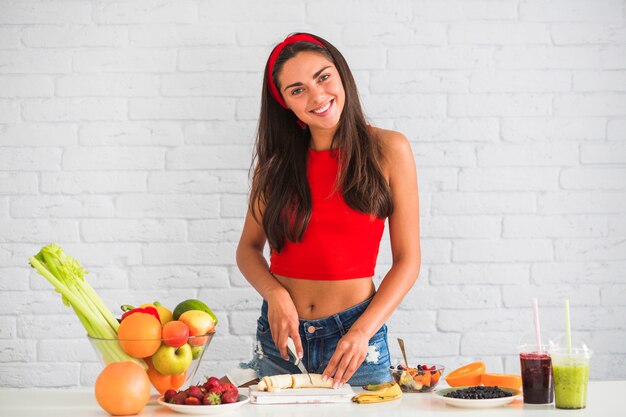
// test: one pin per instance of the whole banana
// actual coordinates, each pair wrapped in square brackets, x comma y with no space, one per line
[376,387]
[379,393]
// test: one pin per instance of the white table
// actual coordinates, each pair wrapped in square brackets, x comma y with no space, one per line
[605,399]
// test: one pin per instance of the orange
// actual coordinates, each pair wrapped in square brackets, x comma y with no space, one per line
[502,380]
[140,335]
[164,382]
[122,388]
[468,375]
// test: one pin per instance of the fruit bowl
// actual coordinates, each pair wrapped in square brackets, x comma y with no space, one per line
[424,378]
[169,367]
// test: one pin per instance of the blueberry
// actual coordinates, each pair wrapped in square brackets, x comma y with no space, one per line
[479,393]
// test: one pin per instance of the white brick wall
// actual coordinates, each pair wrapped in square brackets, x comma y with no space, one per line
[126,131]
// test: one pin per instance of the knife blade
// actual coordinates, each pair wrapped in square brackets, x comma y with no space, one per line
[291,349]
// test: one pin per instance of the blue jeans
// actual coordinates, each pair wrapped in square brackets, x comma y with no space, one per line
[319,340]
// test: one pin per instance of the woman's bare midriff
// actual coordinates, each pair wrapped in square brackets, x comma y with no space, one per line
[315,299]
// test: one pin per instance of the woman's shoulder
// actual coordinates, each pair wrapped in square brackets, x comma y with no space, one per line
[393,144]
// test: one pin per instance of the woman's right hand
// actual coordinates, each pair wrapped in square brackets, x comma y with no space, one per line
[283,318]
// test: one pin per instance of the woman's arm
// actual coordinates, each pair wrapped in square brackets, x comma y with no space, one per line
[405,246]
[282,313]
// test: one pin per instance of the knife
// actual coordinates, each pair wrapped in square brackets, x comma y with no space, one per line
[291,349]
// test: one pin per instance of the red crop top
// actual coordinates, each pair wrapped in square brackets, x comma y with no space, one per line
[339,242]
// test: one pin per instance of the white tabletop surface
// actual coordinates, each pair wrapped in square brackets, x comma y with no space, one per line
[604,399]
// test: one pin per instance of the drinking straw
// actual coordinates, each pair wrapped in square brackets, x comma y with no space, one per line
[537,330]
[568,331]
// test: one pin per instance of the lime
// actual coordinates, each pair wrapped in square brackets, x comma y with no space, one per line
[192,304]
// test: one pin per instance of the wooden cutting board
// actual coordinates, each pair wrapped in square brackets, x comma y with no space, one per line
[302,395]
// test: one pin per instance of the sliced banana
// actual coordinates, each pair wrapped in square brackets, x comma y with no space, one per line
[286,381]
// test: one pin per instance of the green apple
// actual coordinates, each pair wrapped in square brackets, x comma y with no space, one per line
[196,351]
[170,360]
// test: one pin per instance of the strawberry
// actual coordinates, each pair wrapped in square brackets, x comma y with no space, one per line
[212,398]
[230,396]
[212,382]
[195,391]
[169,395]
[230,387]
[179,398]
[217,390]
[192,401]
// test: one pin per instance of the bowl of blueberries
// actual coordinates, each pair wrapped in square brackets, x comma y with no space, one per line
[478,396]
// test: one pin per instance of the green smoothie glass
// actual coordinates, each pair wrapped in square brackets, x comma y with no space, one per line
[571,374]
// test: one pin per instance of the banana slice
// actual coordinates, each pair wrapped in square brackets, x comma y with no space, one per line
[286,381]
[303,381]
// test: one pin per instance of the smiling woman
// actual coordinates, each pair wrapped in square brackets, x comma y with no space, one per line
[317,100]
[324,182]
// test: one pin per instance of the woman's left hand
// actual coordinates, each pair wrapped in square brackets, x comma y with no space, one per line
[349,355]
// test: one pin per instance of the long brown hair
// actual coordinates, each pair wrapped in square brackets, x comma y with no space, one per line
[279,179]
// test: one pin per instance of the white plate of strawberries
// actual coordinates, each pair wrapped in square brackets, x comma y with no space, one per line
[209,398]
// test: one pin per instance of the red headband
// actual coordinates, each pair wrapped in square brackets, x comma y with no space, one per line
[299,37]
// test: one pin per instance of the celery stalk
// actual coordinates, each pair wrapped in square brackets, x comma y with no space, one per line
[67,277]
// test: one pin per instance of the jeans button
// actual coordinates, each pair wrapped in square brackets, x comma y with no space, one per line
[311,329]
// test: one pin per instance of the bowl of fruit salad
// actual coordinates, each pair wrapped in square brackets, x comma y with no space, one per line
[423,378]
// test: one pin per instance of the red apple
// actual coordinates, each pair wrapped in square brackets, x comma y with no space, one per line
[175,333]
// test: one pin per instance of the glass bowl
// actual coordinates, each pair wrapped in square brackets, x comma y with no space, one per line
[169,367]
[417,379]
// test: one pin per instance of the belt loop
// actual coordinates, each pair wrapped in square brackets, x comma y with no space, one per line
[339,324]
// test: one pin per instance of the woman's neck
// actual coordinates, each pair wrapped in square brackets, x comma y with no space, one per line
[321,139]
